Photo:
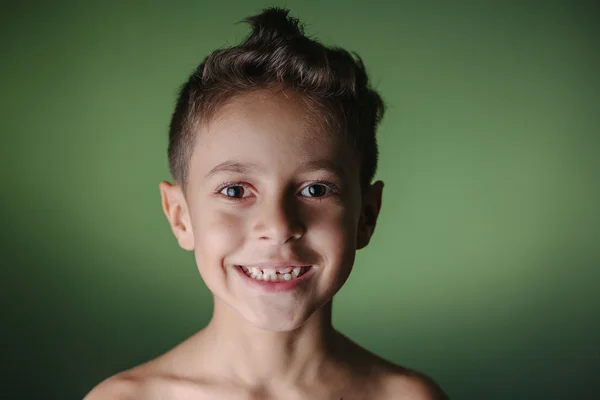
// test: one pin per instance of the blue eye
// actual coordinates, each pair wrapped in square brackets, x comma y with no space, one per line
[234,191]
[316,190]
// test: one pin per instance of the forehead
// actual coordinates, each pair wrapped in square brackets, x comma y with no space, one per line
[274,130]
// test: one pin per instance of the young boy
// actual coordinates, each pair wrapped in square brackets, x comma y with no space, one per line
[272,147]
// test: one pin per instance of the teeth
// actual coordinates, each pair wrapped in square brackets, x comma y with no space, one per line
[271,275]
[269,271]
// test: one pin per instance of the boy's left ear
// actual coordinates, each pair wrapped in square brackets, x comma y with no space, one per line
[371,205]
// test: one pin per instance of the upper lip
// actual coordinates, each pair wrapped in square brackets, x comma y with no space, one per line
[276,265]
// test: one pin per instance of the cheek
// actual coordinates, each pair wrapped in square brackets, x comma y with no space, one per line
[334,232]
[218,234]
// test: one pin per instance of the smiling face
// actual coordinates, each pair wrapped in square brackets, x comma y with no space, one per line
[273,209]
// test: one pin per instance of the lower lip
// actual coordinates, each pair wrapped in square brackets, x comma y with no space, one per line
[279,286]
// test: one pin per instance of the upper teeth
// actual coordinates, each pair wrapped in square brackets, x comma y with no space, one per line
[270,274]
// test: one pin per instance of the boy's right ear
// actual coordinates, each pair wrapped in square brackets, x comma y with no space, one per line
[176,210]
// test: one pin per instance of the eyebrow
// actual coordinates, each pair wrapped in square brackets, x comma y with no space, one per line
[233,167]
[327,165]
[246,168]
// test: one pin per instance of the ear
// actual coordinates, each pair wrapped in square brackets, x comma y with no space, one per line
[176,210]
[371,205]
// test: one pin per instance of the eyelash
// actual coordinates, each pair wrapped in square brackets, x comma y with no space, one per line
[335,190]
[228,184]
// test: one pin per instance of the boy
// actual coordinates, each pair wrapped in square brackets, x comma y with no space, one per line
[272,147]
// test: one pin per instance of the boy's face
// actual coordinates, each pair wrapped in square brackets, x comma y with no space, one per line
[268,189]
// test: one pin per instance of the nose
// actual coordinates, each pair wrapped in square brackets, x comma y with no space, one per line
[278,221]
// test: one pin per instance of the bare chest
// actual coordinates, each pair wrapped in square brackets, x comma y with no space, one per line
[318,391]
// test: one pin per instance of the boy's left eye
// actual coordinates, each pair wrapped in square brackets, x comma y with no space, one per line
[316,190]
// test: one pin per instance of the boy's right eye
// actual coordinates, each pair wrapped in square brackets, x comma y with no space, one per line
[235,191]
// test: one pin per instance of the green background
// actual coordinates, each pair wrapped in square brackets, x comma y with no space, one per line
[485,268]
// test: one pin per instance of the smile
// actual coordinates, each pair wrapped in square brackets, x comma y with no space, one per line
[282,274]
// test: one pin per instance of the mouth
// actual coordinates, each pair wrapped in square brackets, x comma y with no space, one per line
[278,274]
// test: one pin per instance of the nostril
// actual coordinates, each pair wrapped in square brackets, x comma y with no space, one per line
[277,224]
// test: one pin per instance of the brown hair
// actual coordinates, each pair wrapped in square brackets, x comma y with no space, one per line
[278,54]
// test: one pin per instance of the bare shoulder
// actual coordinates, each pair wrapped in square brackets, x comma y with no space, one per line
[119,387]
[410,385]
[168,376]
[397,382]
[147,381]
[154,379]
[390,381]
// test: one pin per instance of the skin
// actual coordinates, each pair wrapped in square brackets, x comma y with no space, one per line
[266,184]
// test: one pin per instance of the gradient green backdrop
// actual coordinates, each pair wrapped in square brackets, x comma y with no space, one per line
[484,270]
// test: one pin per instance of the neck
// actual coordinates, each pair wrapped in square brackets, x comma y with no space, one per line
[255,356]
